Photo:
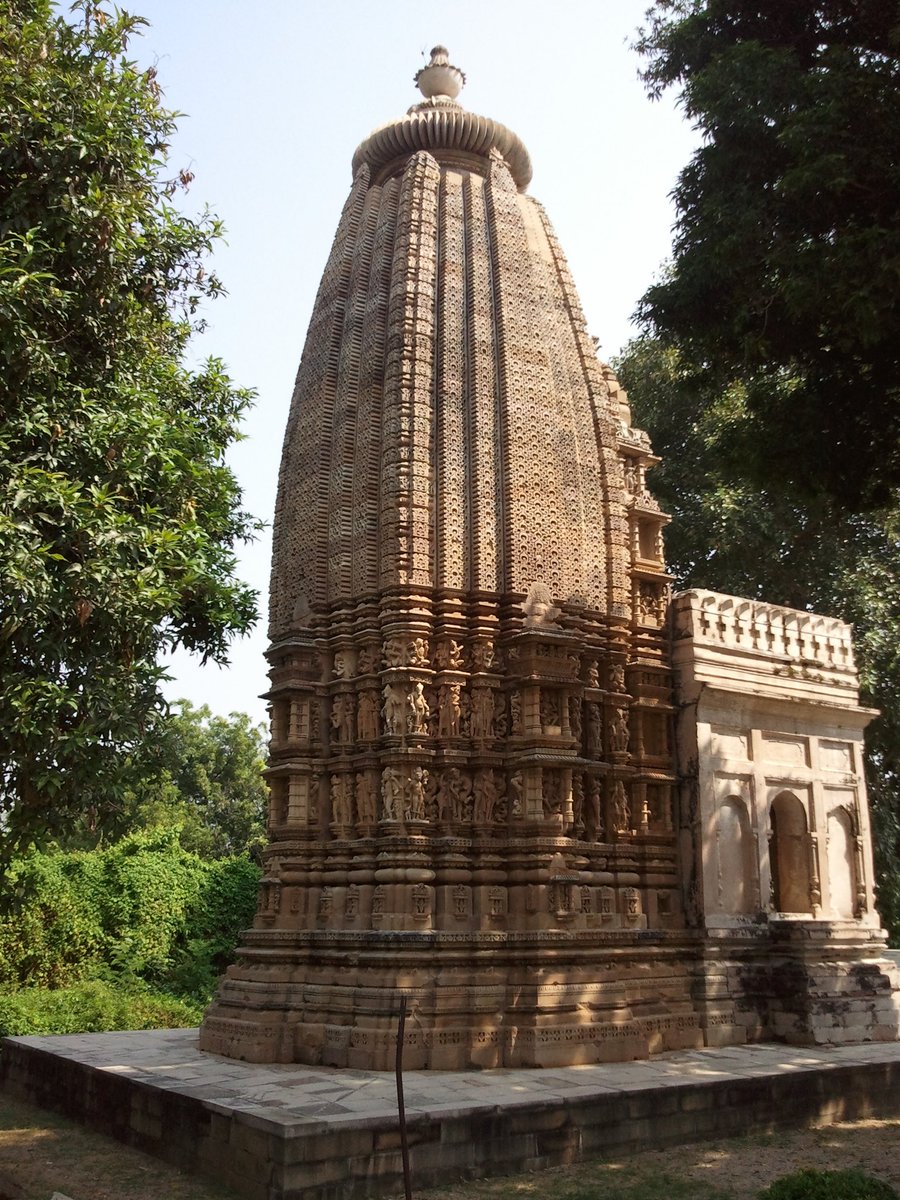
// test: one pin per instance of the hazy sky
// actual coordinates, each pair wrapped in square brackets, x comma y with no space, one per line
[277,94]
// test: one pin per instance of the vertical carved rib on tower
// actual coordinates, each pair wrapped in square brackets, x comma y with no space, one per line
[594,425]
[452,551]
[613,518]
[367,460]
[486,502]
[408,396]
[341,540]
[297,570]
[531,534]
[566,401]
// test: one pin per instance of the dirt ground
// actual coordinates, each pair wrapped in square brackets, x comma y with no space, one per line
[41,1153]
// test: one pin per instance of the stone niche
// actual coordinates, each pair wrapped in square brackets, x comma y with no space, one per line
[774,823]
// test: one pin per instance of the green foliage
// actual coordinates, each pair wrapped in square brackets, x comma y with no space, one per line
[775,542]
[144,911]
[829,1185]
[118,515]
[200,773]
[787,247]
[92,1007]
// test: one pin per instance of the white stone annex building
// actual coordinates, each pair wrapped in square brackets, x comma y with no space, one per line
[570,817]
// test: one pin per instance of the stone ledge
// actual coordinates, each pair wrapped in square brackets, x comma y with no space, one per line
[290,1132]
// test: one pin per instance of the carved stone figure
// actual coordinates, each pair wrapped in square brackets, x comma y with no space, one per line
[415,797]
[395,652]
[448,655]
[341,665]
[342,800]
[651,603]
[577,802]
[551,793]
[594,731]
[501,719]
[455,796]
[367,717]
[482,713]
[395,707]
[618,731]
[465,713]
[550,715]
[367,660]
[431,783]
[486,795]
[515,713]
[515,794]
[417,652]
[449,710]
[391,794]
[620,807]
[366,799]
[617,678]
[418,709]
[593,816]
[482,655]
[575,717]
[342,717]
[593,675]
[315,781]
[538,607]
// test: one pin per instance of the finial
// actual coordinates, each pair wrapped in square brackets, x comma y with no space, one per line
[439,78]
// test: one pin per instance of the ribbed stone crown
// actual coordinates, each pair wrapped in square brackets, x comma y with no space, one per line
[451,426]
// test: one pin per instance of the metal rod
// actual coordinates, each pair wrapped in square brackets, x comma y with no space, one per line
[401,1108]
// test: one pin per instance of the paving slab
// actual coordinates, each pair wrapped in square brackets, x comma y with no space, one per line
[283,1132]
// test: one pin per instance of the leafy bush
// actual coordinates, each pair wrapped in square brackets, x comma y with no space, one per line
[92,1007]
[142,910]
[828,1185]
[213,925]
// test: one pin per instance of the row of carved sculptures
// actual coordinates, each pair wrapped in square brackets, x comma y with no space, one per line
[449,711]
[449,654]
[485,798]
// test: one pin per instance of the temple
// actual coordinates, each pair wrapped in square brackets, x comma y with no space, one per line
[570,817]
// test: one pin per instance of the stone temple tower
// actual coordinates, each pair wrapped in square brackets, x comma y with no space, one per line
[472,769]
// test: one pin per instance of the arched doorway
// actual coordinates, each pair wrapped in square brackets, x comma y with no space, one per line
[790,855]
[841,864]
[736,858]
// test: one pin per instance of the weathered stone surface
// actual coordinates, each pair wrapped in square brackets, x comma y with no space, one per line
[473,761]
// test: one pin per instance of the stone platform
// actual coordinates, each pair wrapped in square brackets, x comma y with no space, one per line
[290,1132]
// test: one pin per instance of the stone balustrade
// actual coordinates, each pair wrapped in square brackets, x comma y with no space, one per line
[809,639]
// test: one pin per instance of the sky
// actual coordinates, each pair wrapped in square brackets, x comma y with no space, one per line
[277,94]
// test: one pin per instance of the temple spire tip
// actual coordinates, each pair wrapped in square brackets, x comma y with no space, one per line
[439,78]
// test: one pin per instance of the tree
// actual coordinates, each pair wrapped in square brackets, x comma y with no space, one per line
[779,544]
[787,246]
[199,772]
[118,515]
